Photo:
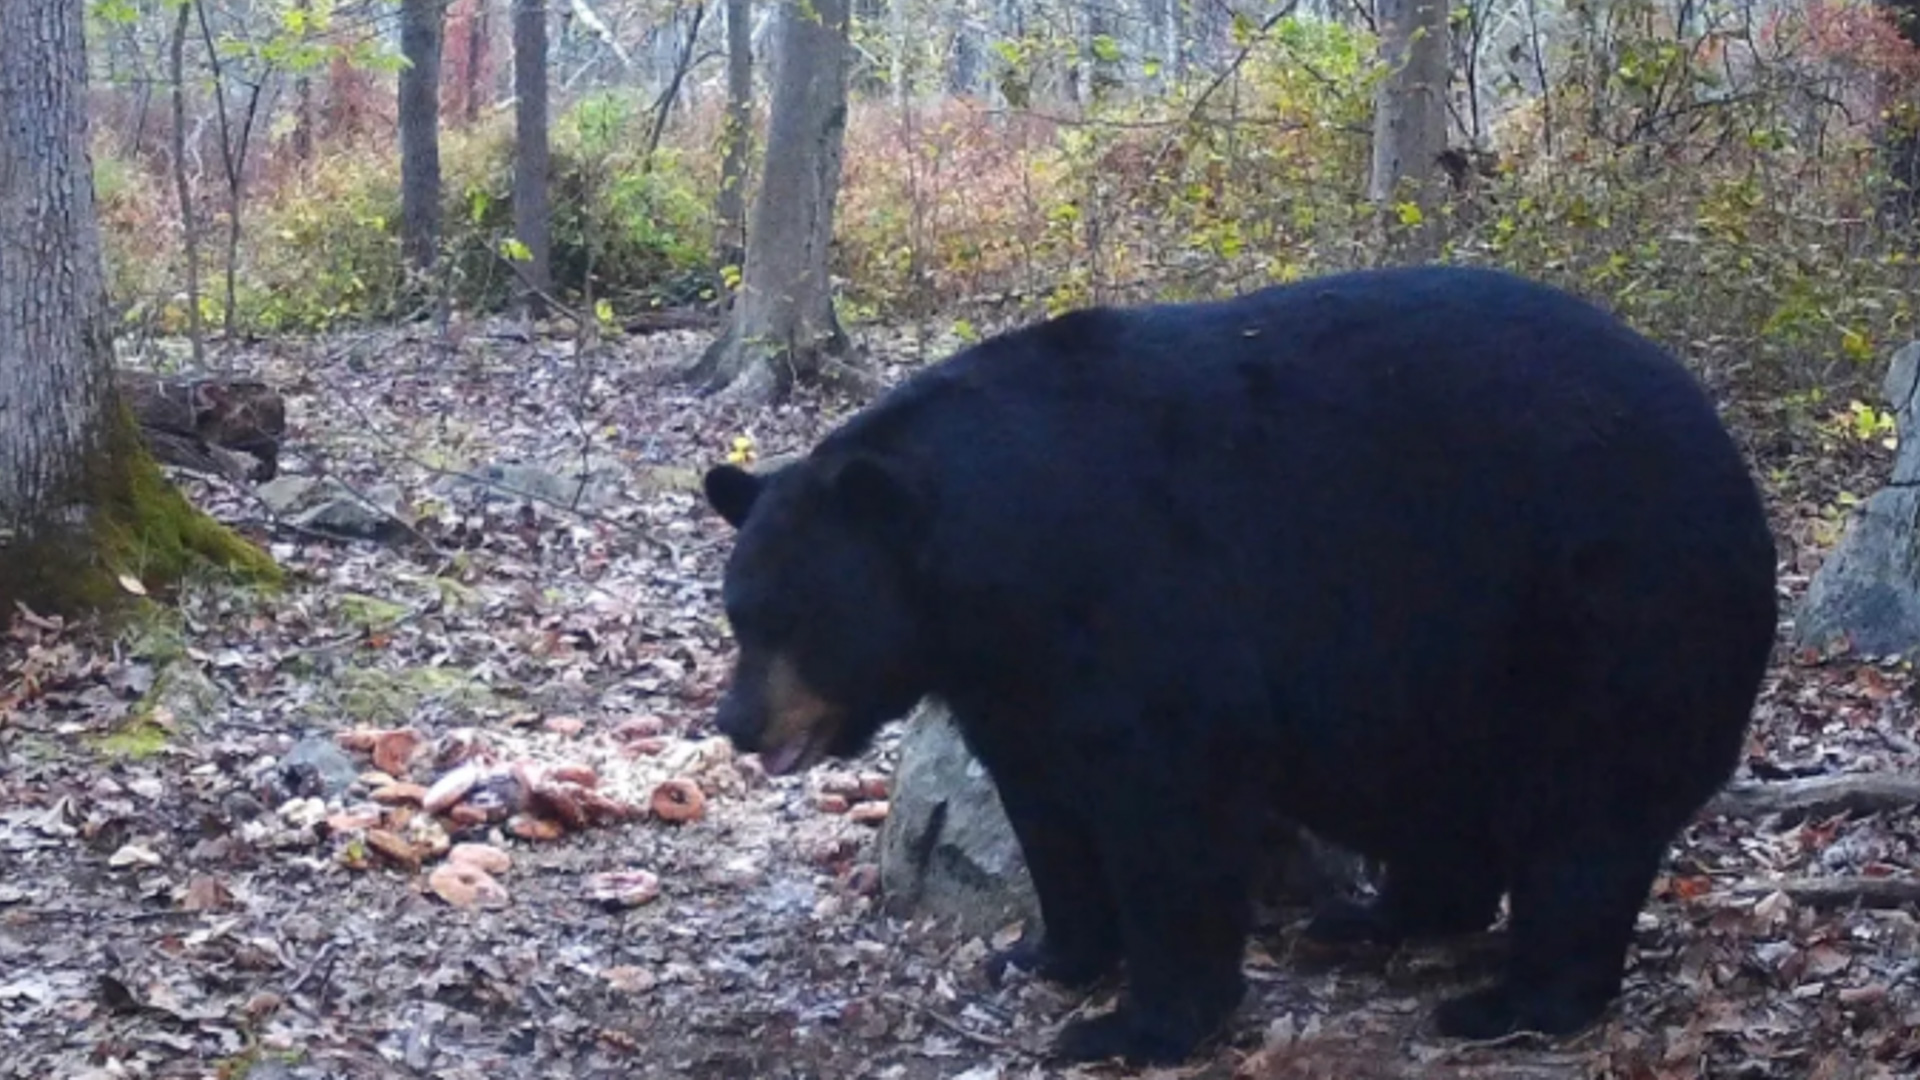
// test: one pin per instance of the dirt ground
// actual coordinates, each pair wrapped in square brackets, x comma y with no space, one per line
[178,900]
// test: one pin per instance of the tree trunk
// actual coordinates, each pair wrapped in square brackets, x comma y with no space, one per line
[531,219]
[303,92]
[422,25]
[1100,66]
[1898,133]
[1410,108]
[963,62]
[897,63]
[730,208]
[82,507]
[479,26]
[783,325]
[183,185]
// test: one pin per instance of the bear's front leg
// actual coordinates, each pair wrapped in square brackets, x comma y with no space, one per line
[1177,845]
[1081,943]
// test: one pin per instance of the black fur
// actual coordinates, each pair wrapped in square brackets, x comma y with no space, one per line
[1453,568]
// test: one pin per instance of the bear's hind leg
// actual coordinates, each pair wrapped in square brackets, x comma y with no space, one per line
[1574,909]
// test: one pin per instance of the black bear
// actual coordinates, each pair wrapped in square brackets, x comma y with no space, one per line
[1454,568]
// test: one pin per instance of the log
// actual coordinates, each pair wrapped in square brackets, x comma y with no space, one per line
[227,427]
[665,319]
[1859,794]
[1830,893]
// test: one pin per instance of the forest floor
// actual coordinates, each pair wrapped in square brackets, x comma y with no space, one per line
[213,888]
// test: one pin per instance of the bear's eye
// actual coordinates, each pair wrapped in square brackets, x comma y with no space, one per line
[756,621]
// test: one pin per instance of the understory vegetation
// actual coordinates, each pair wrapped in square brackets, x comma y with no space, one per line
[1728,192]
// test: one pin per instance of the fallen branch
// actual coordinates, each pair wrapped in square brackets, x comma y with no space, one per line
[1858,794]
[1828,893]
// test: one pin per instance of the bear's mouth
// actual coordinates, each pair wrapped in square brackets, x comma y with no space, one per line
[797,754]
[801,725]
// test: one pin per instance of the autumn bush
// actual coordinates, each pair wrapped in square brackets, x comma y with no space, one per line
[322,246]
[1214,186]
[1726,189]
[1741,228]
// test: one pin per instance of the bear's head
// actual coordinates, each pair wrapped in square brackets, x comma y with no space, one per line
[820,592]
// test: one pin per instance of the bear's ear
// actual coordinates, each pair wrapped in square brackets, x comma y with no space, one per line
[732,491]
[879,496]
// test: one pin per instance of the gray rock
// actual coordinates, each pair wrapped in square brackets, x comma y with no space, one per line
[316,766]
[1867,592]
[568,480]
[328,506]
[185,692]
[946,848]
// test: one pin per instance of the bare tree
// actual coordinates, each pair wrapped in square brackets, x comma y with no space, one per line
[1410,109]
[303,91]
[730,207]
[783,325]
[234,146]
[532,224]
[422,27]
[182,182]
[479,26]
[78,493]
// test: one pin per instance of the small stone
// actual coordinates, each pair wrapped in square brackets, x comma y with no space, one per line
[623,888]
[539,829]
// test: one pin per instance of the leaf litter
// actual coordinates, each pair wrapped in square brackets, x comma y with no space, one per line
[452,804]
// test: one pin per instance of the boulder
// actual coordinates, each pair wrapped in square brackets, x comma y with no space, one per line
[946,849]
[1867,593]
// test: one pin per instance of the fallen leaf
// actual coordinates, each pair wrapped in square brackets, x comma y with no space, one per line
[133,855]
[206,893]
[393,847]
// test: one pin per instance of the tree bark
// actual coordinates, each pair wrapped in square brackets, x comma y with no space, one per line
[303,92]
[1410,109]
[532,224]
[479,26]
[783,326]
[730,207]
[422,27]
[78,494]
[183,185]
